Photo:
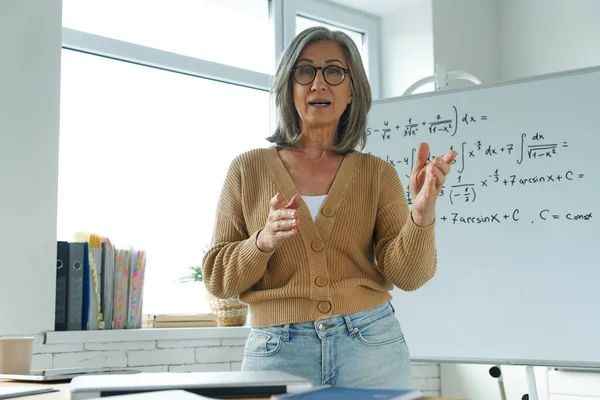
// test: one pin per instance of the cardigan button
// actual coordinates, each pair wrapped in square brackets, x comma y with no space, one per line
[321,281]
[324,307]
[317,245]
[327,211]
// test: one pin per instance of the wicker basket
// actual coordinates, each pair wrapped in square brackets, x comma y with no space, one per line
[230,312]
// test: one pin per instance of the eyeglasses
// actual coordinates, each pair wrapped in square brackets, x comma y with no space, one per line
[333,74]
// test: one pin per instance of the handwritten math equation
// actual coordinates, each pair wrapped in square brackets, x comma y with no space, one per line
[534,149]
[467,192]
[438,124]
[476,157]
[514,216]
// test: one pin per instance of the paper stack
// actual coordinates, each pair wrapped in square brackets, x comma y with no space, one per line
[180,320]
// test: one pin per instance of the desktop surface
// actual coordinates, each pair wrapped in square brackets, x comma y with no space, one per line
[63,392]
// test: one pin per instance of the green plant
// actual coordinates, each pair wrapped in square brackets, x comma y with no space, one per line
[195,271]
[194,275]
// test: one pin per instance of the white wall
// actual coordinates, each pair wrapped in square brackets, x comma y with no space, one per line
[544,36]
[466,37]
[573,385]
[473,382]
[406,47]
[30,43]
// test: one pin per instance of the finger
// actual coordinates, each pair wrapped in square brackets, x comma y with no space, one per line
[441,164]
[276,202]
[422,155]
[285,214]
[418,177]
[431,180]
[416,180]
[439,177]
[294,202]
[285,234]
[283,225]
[450,156]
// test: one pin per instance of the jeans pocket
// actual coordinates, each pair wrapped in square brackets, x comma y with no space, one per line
[262,344]
[382,331]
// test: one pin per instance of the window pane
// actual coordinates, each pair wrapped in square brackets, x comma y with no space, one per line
[303,23]
[233,32]
[143,155]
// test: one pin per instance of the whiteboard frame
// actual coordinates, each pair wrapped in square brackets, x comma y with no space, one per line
[563,365]
[594,366]
[572,72]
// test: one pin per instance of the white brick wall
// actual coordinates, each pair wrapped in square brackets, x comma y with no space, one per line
[215,350]
[41,361]
[426,378]
[222,349]
[203,350]
[136,358]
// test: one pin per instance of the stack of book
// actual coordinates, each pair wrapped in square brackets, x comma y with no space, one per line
[179,320]
[98,286]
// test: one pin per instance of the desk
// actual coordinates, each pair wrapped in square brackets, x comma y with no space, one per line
[62,394]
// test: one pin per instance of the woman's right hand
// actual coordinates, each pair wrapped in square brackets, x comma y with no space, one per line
[281,224]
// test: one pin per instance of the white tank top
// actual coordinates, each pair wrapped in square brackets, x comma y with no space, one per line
[314,204]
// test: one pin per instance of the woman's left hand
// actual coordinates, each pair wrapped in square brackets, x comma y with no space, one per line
[426,181]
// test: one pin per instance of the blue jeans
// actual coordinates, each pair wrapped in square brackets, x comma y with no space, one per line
[364,350]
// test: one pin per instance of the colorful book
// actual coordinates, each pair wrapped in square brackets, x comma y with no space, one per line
[108,287]
[136,288]
[121,288]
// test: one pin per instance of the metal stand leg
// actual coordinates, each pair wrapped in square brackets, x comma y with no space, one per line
[496,372]
[531,385]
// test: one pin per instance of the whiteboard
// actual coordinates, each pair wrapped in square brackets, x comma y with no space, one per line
[518,220]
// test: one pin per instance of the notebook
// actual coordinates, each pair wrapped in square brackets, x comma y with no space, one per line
[334,393]
[210,384]
[9,392]
[64,374]
[160,395]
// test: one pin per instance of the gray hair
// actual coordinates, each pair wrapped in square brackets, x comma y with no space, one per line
[352,129]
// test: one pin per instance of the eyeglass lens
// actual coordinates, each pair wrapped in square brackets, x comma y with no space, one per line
[333,74]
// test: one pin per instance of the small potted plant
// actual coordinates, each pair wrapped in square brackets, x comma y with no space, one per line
[194,275]
[230,312]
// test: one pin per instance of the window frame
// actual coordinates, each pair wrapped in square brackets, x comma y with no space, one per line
[334,14]
[150,57]
[283,25]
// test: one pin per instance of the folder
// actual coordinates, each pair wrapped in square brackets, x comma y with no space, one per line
[95,319]
[62,285]
[92,281]
[77,252]
[108,279]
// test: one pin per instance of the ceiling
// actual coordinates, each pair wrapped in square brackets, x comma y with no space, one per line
[377,7]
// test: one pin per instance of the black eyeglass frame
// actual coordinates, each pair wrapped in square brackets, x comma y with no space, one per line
[293,73]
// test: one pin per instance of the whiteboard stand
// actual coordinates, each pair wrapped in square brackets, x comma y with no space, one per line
[531,385]
[496,372]
[441,79]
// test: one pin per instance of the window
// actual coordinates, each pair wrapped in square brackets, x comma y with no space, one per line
[362,28]
[143,153]
[303,23]
[157,97]
[232,32]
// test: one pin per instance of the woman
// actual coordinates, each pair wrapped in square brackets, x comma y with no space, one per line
[313,234]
